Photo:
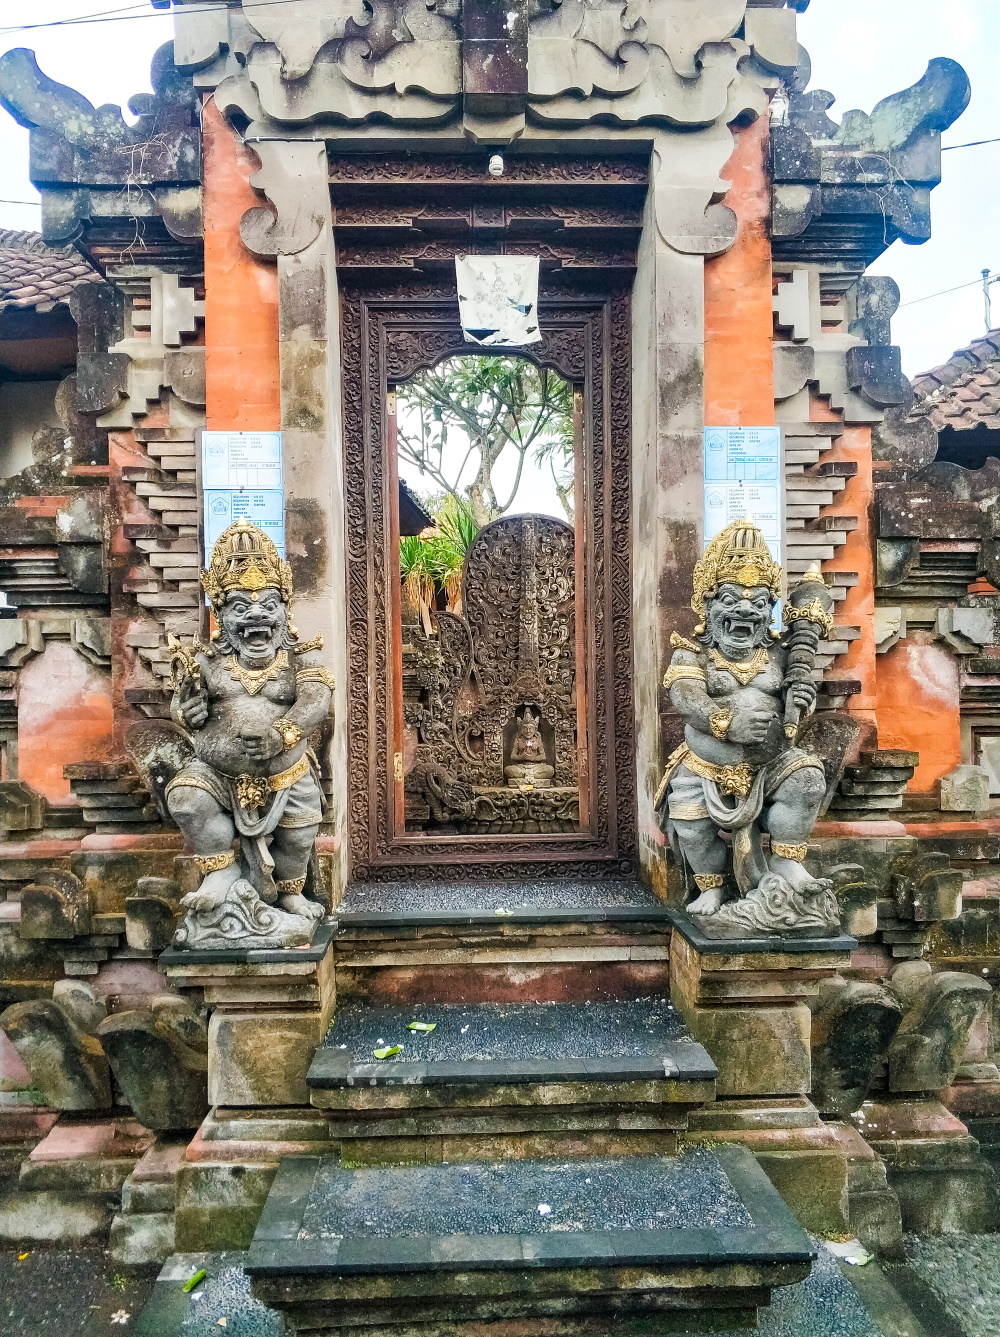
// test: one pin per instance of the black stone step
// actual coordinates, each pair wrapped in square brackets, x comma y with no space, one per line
[510,1043]
[594,1240]
[416,904]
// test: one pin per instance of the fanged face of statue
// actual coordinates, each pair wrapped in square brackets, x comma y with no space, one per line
[254,624]
[737,620]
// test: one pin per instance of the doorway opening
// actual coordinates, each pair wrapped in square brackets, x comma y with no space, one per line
[491,623]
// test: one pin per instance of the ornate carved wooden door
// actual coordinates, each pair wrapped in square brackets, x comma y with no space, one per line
[569,656]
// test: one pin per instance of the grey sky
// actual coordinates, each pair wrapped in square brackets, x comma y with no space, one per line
[862,50]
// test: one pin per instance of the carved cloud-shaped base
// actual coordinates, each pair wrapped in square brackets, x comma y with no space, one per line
[775,907]
[243,919]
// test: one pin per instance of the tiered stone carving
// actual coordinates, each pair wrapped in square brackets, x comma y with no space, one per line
[491,699]
[743,691]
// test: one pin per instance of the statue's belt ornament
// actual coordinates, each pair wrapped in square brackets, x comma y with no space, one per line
[252,791]
[730,779]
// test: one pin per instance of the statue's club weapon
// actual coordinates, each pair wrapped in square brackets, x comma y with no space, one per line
[809,618]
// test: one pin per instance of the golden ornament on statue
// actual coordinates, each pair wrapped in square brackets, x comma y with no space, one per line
[244,558]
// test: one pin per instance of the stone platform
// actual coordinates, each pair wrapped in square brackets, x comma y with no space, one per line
[471,1248]
[559,940]
[509,1080]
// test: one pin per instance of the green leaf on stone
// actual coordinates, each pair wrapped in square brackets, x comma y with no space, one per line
[425,1026]
[191,1282]
[388,1052]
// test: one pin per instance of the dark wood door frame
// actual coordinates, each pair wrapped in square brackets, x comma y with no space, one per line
[387,335]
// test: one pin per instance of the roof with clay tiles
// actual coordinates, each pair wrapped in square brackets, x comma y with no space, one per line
[33,275]
[963,392]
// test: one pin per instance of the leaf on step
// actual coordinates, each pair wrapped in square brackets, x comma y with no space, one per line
[425,1026]
[193,1281]
[387,1052]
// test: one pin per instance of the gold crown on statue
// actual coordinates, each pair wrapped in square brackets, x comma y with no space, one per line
[244,558]
[737,556]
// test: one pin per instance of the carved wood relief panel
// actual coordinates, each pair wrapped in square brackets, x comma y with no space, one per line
[389,333]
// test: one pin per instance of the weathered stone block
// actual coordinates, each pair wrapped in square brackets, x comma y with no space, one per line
[54,1218]
[758,1050]
[55,906]
[813,1184]
[965,789]
[21,808]
[83,1174]
[261,1058]
[142,1242]
[934,1033]
[66,1065]
[149,922]
[218,1206]
[108,878]
[851,1032]
[162,1077]
[140,1198]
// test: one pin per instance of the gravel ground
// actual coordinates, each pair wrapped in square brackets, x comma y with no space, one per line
[612,1193]
[825,1305]
[66,1292]
[448,897]
[964,1272]
[510,1030]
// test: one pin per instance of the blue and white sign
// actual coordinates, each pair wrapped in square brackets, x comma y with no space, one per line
[743,477]
[241,459]
[242,480]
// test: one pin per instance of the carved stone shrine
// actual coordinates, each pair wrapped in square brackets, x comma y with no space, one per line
[490,701]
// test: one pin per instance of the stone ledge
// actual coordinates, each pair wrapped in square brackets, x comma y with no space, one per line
[774,1239]
[173,957]
[773,946]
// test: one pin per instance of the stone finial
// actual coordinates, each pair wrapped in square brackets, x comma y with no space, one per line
[159,1056]
[52,1036]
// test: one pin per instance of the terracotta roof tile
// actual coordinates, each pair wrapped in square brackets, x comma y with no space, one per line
[35,275]
[963,392]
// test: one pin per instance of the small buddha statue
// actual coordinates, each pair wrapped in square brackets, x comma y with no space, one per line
[529,768]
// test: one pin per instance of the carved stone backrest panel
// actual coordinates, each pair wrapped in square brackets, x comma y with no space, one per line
[513,650]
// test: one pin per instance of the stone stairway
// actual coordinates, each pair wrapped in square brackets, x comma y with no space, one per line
[519,1168]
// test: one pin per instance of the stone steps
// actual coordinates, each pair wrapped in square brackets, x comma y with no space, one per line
[509,1081]
[501,942]
[470,1248]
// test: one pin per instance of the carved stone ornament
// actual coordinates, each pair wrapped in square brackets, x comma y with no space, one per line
[246,705]
[490,697]
[743,691]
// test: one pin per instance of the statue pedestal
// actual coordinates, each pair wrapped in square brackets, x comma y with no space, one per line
[745,1001]
[269,1010]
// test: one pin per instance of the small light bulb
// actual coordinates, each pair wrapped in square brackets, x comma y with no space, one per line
[496,165]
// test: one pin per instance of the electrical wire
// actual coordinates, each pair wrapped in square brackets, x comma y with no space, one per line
[124,15]
[35,204]
[976,283]
[972,144]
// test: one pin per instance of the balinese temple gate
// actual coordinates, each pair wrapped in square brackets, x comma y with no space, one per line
[670,834]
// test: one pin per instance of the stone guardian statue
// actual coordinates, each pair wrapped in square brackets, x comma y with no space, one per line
[742,689]
[248,703]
